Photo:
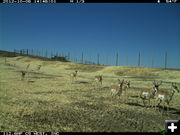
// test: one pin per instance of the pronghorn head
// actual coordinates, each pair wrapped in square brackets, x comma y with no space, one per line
[98,77]
[120,83]
[175,88]
[156,85]
[127,84]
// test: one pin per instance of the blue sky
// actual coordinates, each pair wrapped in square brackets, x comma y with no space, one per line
[107,29]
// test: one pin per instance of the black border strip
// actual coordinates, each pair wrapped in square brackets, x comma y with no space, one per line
[86,133]
[86,1]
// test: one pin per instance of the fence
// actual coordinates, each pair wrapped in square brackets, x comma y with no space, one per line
[115,60]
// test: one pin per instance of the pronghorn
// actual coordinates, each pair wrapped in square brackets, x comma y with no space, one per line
[117,90]
[126,86]
[73,75]
[166,96]
[39,67]
[98,79]
[148,94]
[23,73]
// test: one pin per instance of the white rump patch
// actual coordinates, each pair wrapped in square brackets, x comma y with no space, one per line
[145,94]
[161,97]
[114,91]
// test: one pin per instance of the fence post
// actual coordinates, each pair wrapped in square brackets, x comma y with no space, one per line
[51,54]
[152,62]
[139,58]
[5,60]
[46,54]
[82,58]
[21,52]
[117,59]
[31,51]
[127,61]
[165,62]
[14,52]
[27,53]
[97,59]
[106,59]
[68,56]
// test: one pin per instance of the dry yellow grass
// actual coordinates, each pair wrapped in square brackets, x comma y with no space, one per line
[47,101]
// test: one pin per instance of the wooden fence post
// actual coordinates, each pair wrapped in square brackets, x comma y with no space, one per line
[139,58]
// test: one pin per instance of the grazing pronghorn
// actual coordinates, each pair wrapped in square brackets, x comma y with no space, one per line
[166,96]
[148,94]
[23,73]
[27,67]
[117,90]
[73,75]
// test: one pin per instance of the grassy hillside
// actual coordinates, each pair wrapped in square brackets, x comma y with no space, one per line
[46,100]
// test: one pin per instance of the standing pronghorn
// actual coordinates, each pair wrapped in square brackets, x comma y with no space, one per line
[166,96]
[117,90]
[148,94]
[98,79]
[23,73]
[126,86]
[73,75]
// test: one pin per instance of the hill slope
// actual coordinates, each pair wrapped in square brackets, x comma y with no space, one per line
[46,100]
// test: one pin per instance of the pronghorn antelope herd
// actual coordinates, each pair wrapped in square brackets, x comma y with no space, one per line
[158,95]
[146,94]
